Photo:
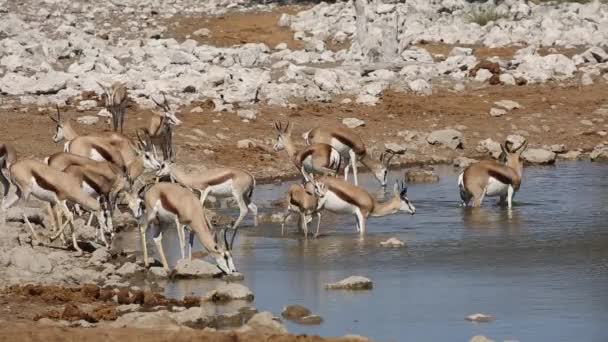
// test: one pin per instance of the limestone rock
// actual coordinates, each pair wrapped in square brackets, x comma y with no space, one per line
[228,292]
[421,175]
[353,122]
[507,104]
[196,268]
[27,259]
[294,312]
[392,243]
[351,283]
[128,269]
[450,138]
[539,156]
[266,322]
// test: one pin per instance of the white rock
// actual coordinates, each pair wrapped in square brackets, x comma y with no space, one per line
[539,156]
[599,153]
[87,120]
[99,256]
[483,75]
[515,140]
[450,138]
[571,155]
[195,316]
[160,320]
[281,46]
[326,80]
[104,113]
[245,143]
[247,114]
[463,162]
[586,80]
[203,32]
[196,109]
[128,269]
[420,86]
[352,283]
[497,112]
[228,292]
[27,259]
[266,322]
[479,317]
[507,104]
[392,242]
[507,79]
[353,122]
[196,268]
[489,146]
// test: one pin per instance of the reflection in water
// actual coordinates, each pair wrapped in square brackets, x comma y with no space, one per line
[540,268]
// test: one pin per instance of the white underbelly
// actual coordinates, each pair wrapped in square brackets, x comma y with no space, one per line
[89,190]
[43,194]
[221,190]
[337,205]
[340,147]
[496,188]
[96,155]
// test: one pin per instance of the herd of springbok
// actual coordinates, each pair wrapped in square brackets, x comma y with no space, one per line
[96,172]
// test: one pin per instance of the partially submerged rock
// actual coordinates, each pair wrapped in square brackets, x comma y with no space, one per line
[266,322]
[351,283]
[195,268]
[479,317]
[463,162]
[421,175]
[599,153]
[393,243]
[293,312]
[228,292]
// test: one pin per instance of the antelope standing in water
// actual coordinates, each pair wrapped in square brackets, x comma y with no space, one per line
[170,202]
[352,149]
[115,100]
[490,178]
[339,196]
[301,200]
[160,129]
[32,177]
[317,158]
[220,182]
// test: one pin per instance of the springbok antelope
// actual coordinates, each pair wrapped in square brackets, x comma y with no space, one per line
[115,100]
[220,182]
[160,128]
[112,147]
[317,158]
[301,200]
[352,149]
[32,177]
[339,196]
[170,202]
[490,178]
[8,155]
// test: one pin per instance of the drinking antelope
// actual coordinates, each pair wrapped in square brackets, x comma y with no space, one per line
[301,200]
[219,182]
[115,100]
[317,158]
[352,149]
[7,157]
[490,178]
[32,177]
[160,129]
[170,202]
[339,196]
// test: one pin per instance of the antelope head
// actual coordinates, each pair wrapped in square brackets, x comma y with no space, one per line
[381,173]
[147,151]
[320,191]
[165,169]
[400,192]
[283,133]
[512,156]
[223,254]
[136,204]
[59,129]
[168,113]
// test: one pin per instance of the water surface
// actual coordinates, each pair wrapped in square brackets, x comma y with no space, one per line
[541,269]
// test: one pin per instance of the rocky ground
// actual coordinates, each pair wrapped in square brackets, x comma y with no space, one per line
[444,88]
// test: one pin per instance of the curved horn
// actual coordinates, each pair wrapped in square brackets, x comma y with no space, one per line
[225,236]
[165,102]
[525,143]
[58,112]
[157,103]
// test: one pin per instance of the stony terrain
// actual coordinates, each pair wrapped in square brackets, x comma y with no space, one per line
[441,86]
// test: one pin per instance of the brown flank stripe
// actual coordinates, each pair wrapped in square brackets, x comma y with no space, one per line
[104,153]
[343,195]
[221,179]
[349,143]
[166,203]
[500,176]
[46,185]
